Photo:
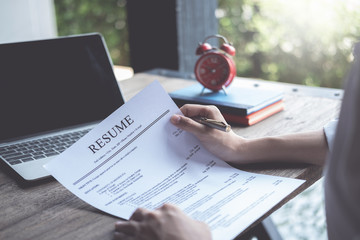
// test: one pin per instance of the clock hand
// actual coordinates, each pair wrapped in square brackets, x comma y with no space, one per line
[221,65]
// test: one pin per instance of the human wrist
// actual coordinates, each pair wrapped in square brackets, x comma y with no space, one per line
[237,149]
[257,150]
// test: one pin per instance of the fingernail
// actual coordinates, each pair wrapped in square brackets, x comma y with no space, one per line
[119,223]
[175,119]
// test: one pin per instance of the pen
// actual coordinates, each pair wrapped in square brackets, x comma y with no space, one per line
[213,123]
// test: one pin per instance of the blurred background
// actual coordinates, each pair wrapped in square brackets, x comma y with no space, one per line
[305,42]
[300,41]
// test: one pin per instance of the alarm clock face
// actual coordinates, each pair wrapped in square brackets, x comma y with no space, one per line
[214,70]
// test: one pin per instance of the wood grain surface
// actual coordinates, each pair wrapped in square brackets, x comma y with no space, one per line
[46,210]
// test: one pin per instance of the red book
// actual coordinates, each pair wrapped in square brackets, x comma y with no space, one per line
[257,116]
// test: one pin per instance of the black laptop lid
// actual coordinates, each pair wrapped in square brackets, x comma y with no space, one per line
[56,83]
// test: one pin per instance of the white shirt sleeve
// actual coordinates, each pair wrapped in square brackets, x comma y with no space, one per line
[330,130]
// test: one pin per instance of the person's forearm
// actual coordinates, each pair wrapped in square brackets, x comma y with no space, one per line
[308,147]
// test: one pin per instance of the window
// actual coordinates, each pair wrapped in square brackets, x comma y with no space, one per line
[299,41]
[105,17]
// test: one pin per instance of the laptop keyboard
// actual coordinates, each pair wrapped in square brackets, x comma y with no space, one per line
[39,148]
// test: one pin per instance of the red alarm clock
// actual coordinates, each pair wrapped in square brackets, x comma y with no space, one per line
[215,69]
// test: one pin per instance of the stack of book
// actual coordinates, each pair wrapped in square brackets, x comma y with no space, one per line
[245,106]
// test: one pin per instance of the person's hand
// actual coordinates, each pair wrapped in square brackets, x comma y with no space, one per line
[225,145]
[166,223]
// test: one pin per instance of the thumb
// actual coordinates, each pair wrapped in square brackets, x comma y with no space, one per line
[188,124]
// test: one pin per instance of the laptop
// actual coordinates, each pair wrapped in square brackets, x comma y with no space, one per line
[52,92]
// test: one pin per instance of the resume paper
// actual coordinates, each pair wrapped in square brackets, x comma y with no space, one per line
[137,158]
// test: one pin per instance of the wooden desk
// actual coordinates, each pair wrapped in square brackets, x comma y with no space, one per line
[49,211]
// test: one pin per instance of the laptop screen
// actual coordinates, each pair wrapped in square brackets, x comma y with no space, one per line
[56,83]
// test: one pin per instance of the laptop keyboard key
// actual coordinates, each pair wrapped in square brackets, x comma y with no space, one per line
[51,154]
[15,162]
[39,156]
[27,159]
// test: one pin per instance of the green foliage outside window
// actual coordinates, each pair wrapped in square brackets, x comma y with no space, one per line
[106,17]
[299,41]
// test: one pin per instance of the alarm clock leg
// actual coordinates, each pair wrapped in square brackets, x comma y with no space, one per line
[223,88]
[202,91]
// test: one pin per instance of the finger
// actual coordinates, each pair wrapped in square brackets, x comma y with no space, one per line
[128,228]
[169,208]
[209,111]
[139,214]
[188,124]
